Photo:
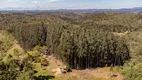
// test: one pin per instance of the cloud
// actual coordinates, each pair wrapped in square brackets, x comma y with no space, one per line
[52,0]
[33,1]
[21,1]
[12,0]
[36,1]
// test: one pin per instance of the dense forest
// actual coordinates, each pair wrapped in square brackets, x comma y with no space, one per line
[80,40]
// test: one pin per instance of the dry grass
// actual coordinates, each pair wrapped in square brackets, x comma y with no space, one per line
[88,74]
[91,74]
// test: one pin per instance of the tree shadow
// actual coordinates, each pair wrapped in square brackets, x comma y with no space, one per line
[44,77]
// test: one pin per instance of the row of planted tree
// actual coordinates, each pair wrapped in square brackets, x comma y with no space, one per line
[79,47]
[88,48]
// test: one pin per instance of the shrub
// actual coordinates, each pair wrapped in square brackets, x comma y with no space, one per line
[133,70]
[40,59]
[15,70]
[68,69]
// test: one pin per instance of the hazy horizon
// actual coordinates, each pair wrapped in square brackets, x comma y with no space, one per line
[68,4]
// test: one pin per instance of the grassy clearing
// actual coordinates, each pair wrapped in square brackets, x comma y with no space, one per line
[91,74]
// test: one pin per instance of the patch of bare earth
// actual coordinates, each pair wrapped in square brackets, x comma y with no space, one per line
[54,64]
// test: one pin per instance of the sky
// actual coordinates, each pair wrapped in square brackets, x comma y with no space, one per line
[69,4]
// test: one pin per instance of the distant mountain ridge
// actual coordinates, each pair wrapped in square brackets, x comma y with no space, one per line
[123,10]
